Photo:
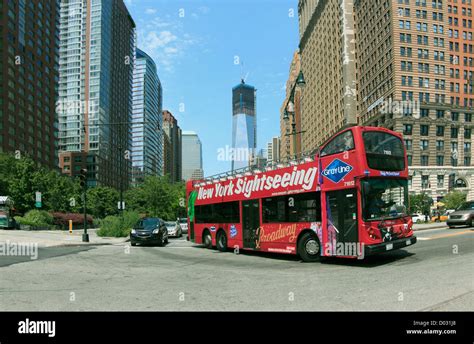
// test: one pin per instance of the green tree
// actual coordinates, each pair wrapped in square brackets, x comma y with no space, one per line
[156,196]
[102,201]
[420,203]
[59,192]
[7,168]
[20,187]
[454,199]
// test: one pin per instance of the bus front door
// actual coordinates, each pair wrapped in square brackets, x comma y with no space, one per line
[250,223]
[342,215]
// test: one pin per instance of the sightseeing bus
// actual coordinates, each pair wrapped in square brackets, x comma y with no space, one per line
[349,200]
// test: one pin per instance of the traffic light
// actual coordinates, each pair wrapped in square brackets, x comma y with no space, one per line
[83,177]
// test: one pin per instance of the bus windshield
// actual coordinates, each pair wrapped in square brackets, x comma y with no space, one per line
[384,151]
[384,198]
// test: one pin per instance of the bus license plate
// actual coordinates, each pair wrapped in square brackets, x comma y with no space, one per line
[389,247]
[408,242]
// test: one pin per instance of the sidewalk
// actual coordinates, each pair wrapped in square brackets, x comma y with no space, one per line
[434,225]
[57,238]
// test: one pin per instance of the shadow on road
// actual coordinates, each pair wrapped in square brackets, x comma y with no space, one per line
[368,262]
[371,261]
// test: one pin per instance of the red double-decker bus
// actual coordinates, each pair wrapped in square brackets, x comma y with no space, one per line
[349,200]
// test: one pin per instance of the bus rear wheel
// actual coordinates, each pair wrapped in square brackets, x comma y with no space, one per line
[221,241]
[309,248]
[207,239]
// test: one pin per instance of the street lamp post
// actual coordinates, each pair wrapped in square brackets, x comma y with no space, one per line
[83,183]
[290,109]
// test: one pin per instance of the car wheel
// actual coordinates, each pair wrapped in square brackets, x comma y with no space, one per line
[166,240]
[221,241]
[134,244]
[309,248]
[207,239]
[469,223]
[451,227]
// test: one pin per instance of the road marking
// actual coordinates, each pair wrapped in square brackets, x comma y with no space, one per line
[445,235]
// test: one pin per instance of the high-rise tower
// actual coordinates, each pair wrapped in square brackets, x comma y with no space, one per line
[244,124]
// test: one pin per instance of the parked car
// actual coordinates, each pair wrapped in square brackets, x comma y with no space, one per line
[464,215]
[418,218]
[149,230]
[174,229]
[183,222]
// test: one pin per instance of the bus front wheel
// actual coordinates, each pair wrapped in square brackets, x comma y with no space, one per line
[309,248]
[207,239]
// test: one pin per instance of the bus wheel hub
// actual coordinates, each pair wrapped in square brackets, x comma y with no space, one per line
[312,247]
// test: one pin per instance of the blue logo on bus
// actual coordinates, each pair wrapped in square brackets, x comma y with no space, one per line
[337,170]
[233,231]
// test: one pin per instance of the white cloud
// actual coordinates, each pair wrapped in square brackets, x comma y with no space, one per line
[150,11]
[165,41]
[156,39]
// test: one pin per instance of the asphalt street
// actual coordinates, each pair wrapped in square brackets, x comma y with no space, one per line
[435,274]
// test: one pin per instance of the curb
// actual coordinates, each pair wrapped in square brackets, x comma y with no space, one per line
[426,228]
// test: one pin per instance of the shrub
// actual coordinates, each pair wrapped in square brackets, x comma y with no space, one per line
[118,226]
[62,219]
[36,218]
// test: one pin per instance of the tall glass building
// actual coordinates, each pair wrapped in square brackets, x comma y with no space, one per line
[147,120]
[28,79]
[244,125]
[96,55]
[192,156]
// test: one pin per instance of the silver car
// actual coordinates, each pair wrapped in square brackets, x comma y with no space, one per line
[464,215]
[174,229]
[183,222]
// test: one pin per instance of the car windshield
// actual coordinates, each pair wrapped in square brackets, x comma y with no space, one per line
[183,220]
[384,198]
[147,223]
[170,224]
[467,206]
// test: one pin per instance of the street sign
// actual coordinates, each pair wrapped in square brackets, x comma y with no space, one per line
[121,207]
[38,199]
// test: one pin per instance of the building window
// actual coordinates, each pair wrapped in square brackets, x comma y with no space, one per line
[439,114]
[454,133]
[468,117]
[467,147]
[424,145]
[424,130]
[467,161]
[439,145]
[410,159]
[408,144]
[407,129]
[424,160]
[467,133]
[439,130]
[440,160]
[440,183]
[425,181]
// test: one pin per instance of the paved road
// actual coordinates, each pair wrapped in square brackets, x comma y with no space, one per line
[435,274]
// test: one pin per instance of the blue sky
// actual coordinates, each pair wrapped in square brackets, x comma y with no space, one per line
[195,43]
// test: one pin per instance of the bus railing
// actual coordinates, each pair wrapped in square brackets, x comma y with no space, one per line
[252,169]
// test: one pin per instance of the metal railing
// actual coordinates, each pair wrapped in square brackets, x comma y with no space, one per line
[303,157]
